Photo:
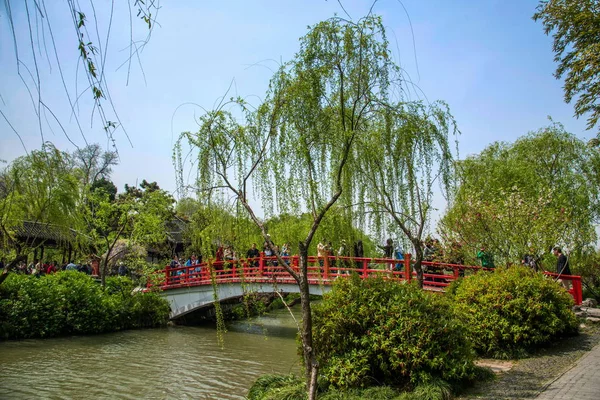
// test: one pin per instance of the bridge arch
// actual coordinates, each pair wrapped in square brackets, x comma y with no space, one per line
[187,299]
[191,288]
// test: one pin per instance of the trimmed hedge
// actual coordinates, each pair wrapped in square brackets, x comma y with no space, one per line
[69,302]
[512,311]
[379,332]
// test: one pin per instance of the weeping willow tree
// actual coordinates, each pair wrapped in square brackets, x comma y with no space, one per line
[39,189]
[296,152]
[35,30]
[405,157]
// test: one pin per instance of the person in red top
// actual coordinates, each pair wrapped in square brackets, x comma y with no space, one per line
[219,258]
[51,268]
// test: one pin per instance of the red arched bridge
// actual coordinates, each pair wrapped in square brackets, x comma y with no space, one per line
[190,288]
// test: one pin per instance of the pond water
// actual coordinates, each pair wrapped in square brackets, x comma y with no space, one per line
[171,363]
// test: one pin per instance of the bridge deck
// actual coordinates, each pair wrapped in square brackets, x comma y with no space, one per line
[324,270]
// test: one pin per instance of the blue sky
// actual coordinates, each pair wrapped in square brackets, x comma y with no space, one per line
[487,59]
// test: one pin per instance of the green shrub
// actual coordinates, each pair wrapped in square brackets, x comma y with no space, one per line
[70,302]
[277,387]
[375,331]
[512,311]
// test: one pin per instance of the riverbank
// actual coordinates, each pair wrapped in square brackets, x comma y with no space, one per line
[71,303]
[529,377]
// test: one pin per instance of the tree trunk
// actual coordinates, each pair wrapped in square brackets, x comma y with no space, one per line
[310,361]
[103,273]
[418,261]
[10,266]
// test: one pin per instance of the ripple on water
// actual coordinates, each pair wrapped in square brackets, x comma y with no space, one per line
[174,363]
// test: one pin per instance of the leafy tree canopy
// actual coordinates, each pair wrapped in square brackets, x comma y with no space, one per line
[405,153]
[39,187]
[526,196]
[296,150]
[575,27]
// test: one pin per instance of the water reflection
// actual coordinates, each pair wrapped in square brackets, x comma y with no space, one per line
[171,363]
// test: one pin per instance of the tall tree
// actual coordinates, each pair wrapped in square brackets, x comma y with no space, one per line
[405,154]
[297,149]
[93,163]
[40,188]
[538,192]
[575,27]
[137,216]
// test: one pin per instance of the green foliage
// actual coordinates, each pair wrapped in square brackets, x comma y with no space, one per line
[278,303]
[139,215]
[407,152]
[371,393]
[589,269]
[297,151]
[278,387]
[253,304]
[378,331]
[69,302]
[218,223]
[538,192]
[575,27]
[38,187]
[335,227]
[511,311]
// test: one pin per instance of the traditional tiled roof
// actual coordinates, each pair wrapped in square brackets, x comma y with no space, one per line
[40,231]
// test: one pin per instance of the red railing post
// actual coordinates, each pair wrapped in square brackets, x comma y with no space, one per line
[365,272]
[261,263]
[407,268]
[577,291]
[167,272]
[326,268]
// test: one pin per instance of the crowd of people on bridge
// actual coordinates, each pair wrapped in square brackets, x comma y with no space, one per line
[353,256]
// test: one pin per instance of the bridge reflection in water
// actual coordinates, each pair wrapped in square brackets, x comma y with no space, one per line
[190,288]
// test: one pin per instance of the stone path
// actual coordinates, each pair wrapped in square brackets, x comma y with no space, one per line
[580,382]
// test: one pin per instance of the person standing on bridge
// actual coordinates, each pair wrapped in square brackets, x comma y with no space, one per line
[219,258]
[253,254]
[322,251]
[388,251]
[399,253]
[562,266]
[344,253]
[285,250]
[359,253]
[487,259]
[530,260]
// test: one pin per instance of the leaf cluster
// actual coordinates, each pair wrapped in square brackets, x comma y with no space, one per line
[537,192]
[68,303]
[512,311]
[376,331]
[575,28]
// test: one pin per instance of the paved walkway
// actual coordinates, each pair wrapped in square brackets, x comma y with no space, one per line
[581,382]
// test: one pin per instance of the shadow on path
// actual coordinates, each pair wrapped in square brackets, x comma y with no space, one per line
[530,376]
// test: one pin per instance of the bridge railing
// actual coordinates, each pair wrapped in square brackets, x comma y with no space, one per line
[324,270]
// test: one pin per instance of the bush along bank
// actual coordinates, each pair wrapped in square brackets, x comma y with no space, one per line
[71,303]
[378,339]
[512,311]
